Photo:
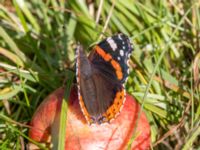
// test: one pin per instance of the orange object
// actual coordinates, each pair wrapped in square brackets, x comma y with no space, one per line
[80,135]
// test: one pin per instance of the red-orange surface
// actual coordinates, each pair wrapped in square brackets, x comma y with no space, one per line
[80,135]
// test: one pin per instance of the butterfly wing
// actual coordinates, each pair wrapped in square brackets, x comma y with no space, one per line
[101,77]
[111,57]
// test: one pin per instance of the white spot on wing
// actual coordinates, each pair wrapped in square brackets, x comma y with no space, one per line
[119,36]
[112,43]
[121,52]
[118,58]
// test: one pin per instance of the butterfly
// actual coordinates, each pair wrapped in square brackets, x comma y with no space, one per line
[101,77]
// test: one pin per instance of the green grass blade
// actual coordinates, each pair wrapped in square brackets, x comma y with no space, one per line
[12,44]
[60,143]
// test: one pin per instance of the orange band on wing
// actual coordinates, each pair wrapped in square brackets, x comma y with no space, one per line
[107,57]
[119,74]
[114,109]
[100,51]
[114,63]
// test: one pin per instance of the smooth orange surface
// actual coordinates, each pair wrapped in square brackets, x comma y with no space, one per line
[80,135]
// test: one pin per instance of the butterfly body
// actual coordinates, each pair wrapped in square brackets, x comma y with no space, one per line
[101,77]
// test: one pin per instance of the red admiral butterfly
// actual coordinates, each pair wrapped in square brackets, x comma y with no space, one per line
[101,78]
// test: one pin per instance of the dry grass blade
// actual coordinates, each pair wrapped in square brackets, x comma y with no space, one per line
[108,18]
[99,11]
[12,57]
[196,70]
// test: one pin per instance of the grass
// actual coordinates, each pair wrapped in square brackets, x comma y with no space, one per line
[37,42]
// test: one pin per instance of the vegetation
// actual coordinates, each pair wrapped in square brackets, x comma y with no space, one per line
[37,55]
